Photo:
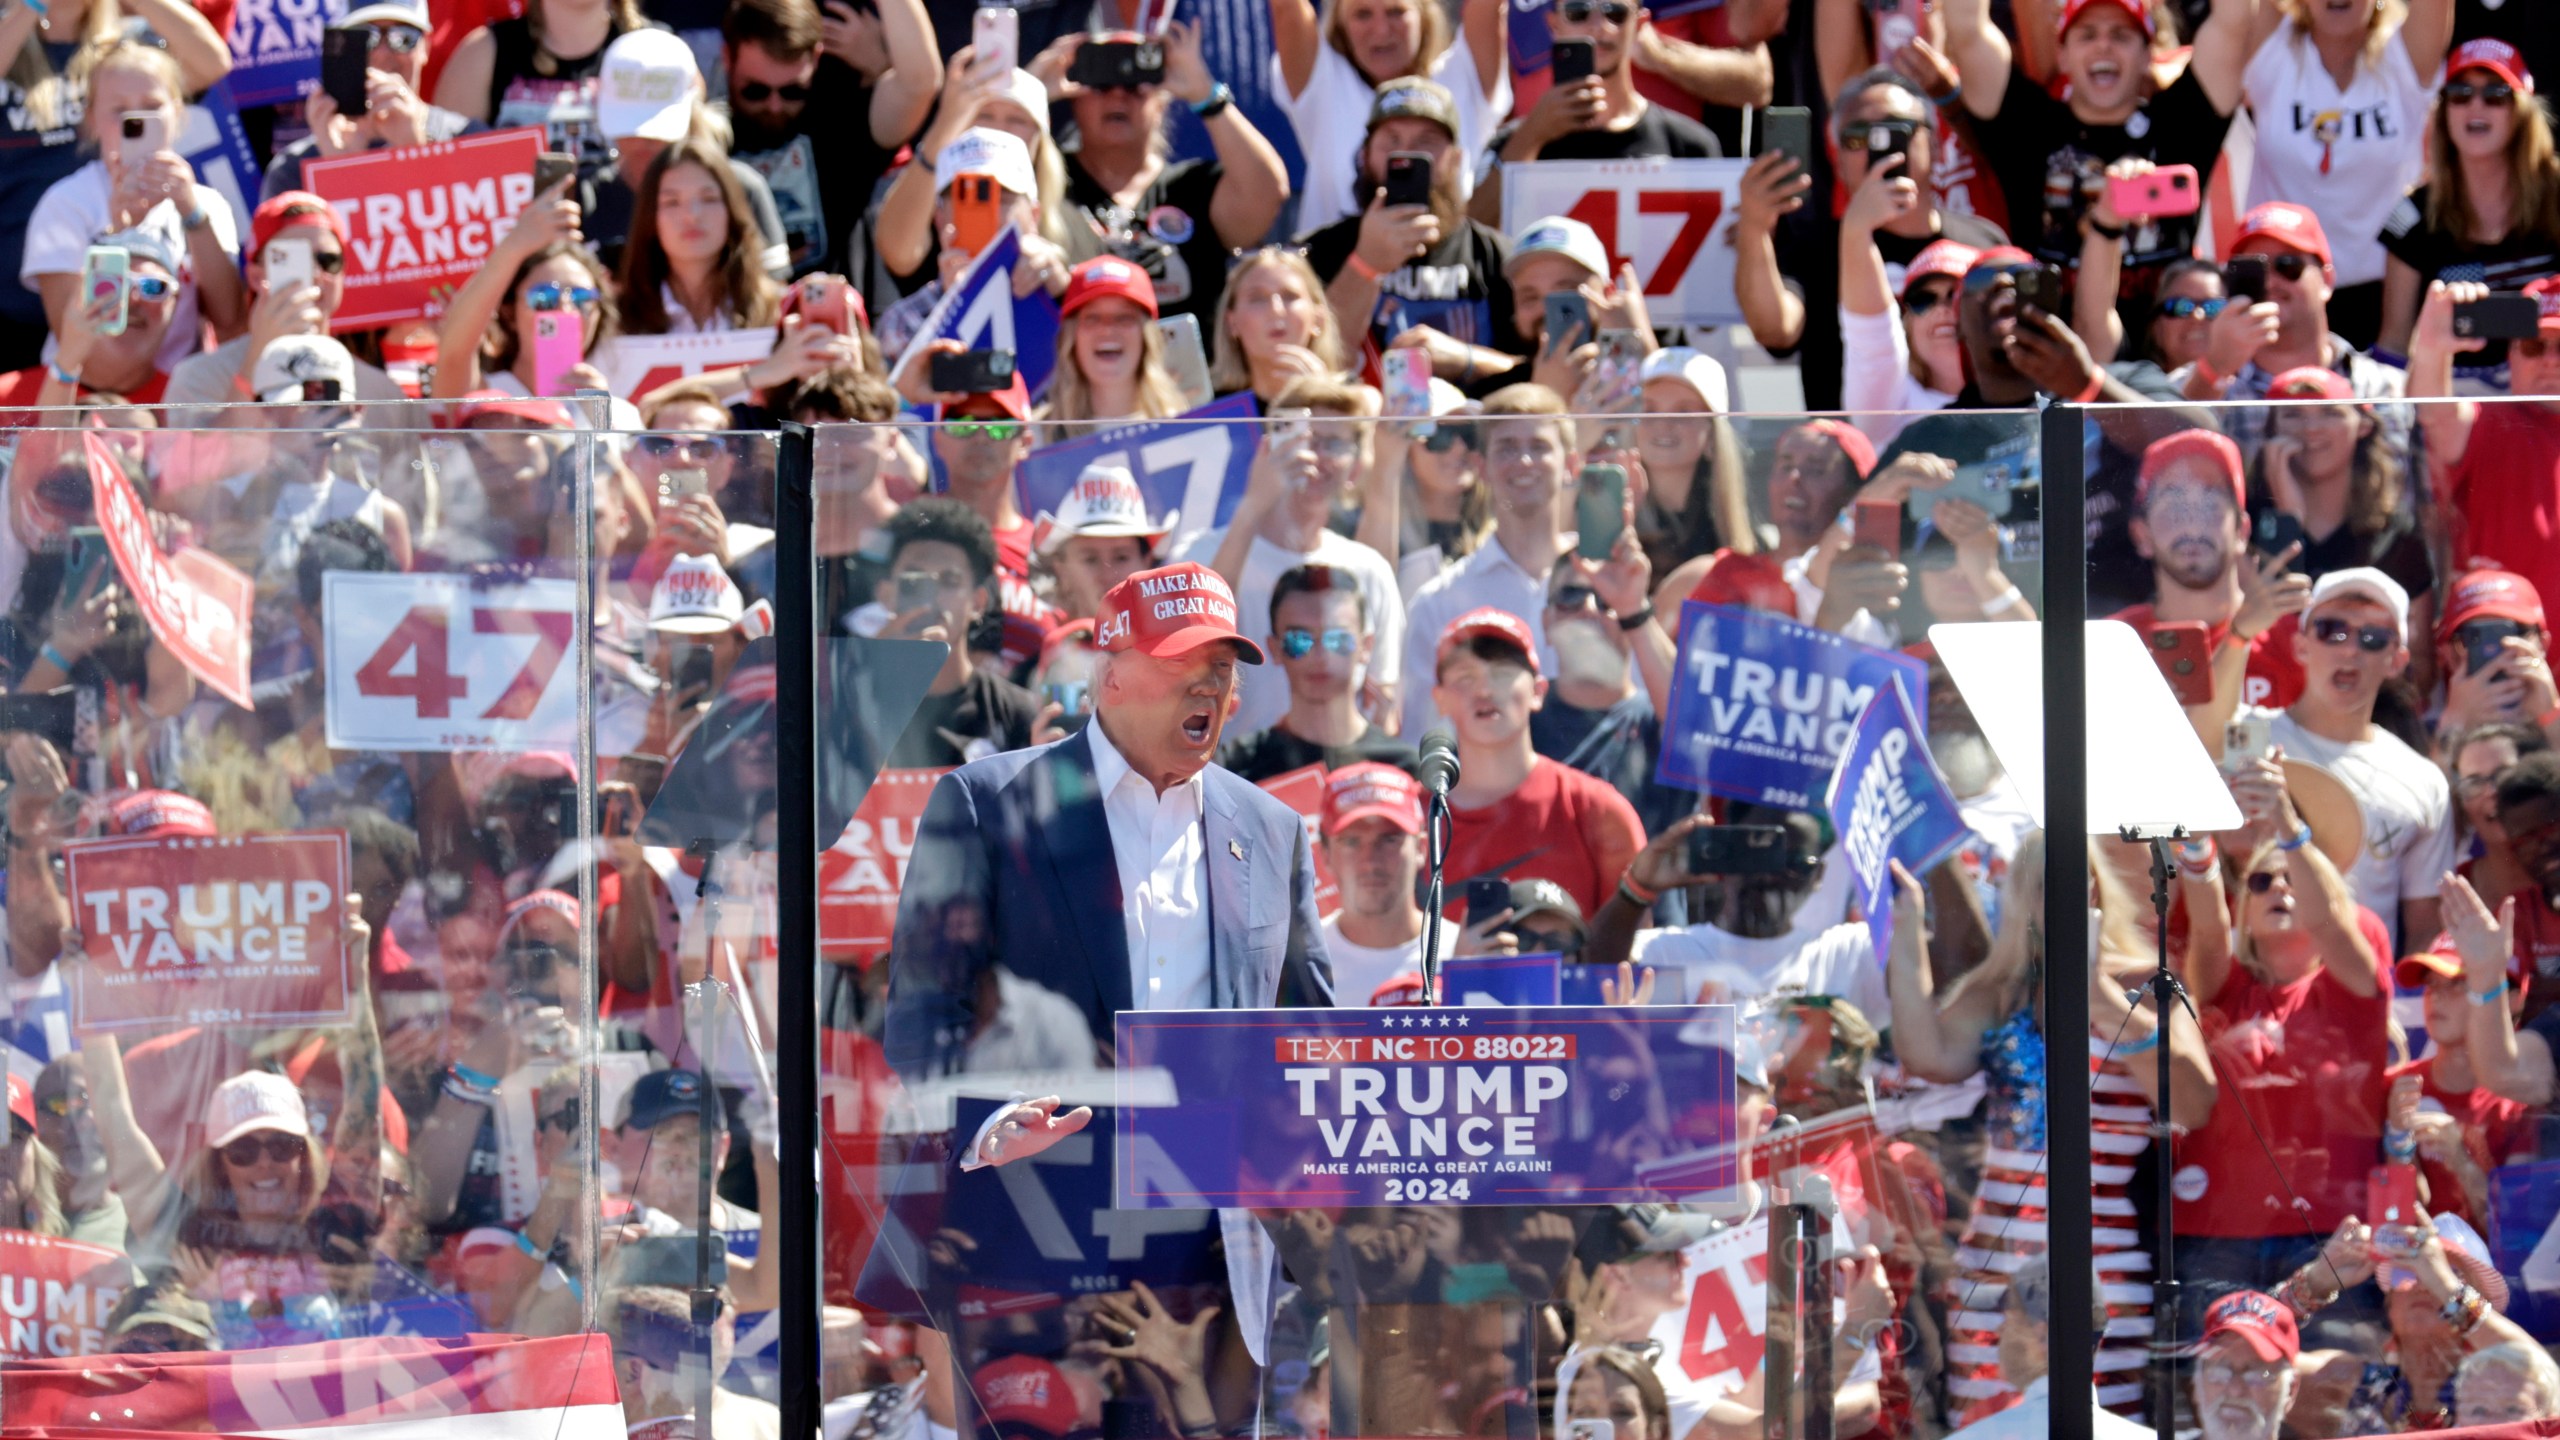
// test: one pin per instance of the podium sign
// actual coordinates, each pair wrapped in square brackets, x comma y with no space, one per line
[1320,1109]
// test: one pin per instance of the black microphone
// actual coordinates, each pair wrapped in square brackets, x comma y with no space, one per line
[1439,761]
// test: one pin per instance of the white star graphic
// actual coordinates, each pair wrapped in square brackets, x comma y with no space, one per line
[1464,1022]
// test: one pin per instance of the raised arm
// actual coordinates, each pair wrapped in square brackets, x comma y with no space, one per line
[1937,1042]
[1252,183]
[2224,43]
[2432,347]
[473,311]
[190,39]
[1487,26]
[135,1166]
[2209,956]
[1719,75]
[2427,34]
[1772,189]
[1981,54]
[2517,1066]
[903,95]
[1294,38]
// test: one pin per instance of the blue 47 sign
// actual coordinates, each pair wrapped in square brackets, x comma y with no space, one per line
[1196,463]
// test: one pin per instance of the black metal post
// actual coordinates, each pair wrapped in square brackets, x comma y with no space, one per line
[2070,1220]
[1782,1326]
[1813,1232]
[2166,996]
[796,1217]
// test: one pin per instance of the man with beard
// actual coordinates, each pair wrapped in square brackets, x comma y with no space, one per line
[1599,117]
[91,1210]
[2514,1064]
[2189,521]
[2051,155]
[1425,272]
[867,87]
[2244,1376]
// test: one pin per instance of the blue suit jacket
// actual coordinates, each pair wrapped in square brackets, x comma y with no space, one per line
[1013,866]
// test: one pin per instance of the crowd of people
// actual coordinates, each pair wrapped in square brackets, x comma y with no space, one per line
[1483,492]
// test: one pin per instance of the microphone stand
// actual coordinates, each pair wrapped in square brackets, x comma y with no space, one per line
[2166,995]
[1435,831]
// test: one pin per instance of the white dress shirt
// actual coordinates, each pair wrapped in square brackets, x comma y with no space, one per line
[1489,576]
[1161,852]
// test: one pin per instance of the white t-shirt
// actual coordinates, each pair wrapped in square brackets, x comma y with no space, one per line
[1358,970]
[2408,818]
[1331,117]
[1877,387]
[1264,689]
[74,213]
[2345,155]
[1840,961]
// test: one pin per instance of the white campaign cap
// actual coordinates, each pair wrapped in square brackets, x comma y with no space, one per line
[291,361]
[1700,372]
[992,153]
[1025,90]
[1105,501]
[646,89]
[1560,235]
[254,1100]
[695,597]
[2367,582]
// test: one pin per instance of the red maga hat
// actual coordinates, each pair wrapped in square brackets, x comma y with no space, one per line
[1171,612]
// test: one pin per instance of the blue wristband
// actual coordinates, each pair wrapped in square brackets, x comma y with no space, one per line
[474,1078]
[2300,838]
[65,376]
[55,656]
[2147,1042]
[1220,97]
[2488,997]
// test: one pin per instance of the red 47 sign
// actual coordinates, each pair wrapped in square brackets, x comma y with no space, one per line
[1672,218]
[436,662]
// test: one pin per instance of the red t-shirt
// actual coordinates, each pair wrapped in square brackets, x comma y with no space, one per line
[2273,679]
[1560,825]
[2307,1061]
[19,389]
[2503,498]
[2494,1129]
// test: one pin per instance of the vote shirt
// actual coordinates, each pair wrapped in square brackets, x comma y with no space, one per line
[1459,289]
[2347,154]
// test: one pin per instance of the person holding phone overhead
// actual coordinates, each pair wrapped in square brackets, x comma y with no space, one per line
[1598,116]
[314,243]
[983,181]
[1330,59]
[906,226]
[393,34]
[488,339]
[137,99]
[2497,467]
[89,362]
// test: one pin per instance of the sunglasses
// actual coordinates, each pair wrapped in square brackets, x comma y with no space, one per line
[2497,94]
[2371,639]
[1569,598]
[1298,642]
[274,1145]
[985,429]
[565,1118]
[1921,302]
[152,287]
[2288,265]
[2262,881]
[2529,349]
[691,447]
[548,295]
[1447,435]
[2180,307]
[1889,137]
[1985,277]
[756,92]
[1579,12]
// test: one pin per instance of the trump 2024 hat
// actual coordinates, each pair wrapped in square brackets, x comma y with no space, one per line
[1171,612]
[695,597]
[1371,791]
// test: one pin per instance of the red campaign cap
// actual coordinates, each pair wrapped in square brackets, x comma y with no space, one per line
[2258,1318]
[1027,1391]
[1170,612]
[2139,12]
[2310,382]
[1950,258]
[1999,257]
[160,812]
[1107,275]
[2291,226]
[1371,791]
[22,1100]
[2209,448]
[1012,399]
[289,209]
[2546,293]
[1487,622]
[1853,442]
[480,403]
[2495,56]
[2441,961]
[2491,595]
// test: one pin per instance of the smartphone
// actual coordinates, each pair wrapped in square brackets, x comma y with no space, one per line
[917,590]
[1117,64]
[677,484]
[53,714]
[103,276]
[550,168]
[1568,318]
[289,265]
[1897,23]
[1487,896]
[1591,1430]
[2274,532]
[1408,178]
[2247,739]
[1571,57]
[1187,358]
[2167,191]
[2244,278]
[1739,850]
[559,346]
[144,133]
[977,212]
[1788,129]
[1886,138]
[1405,376]
[2391,1194]
[1288,428]
[1067,695]
[996,35]
[343,50]
[972,372]
[2500,317]
[88,553]
[2484,643]
[2040,286]
[2185,661]
[1879,523]
[829,302]
[617,803]
[1599,510]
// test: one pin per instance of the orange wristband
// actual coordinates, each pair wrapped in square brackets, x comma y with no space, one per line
[1362,268]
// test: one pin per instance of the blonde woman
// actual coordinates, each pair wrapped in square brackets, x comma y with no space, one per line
[2359,73]
[1111,363]
[541,68]
[1274,327]
[2491,204]
[157,193]
[1330,62]
[1014,102]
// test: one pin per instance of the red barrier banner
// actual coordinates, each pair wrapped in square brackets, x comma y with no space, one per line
[58,1295]
[421,219]
[1302,790]
[197,604]
[858,878]
[210,930]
